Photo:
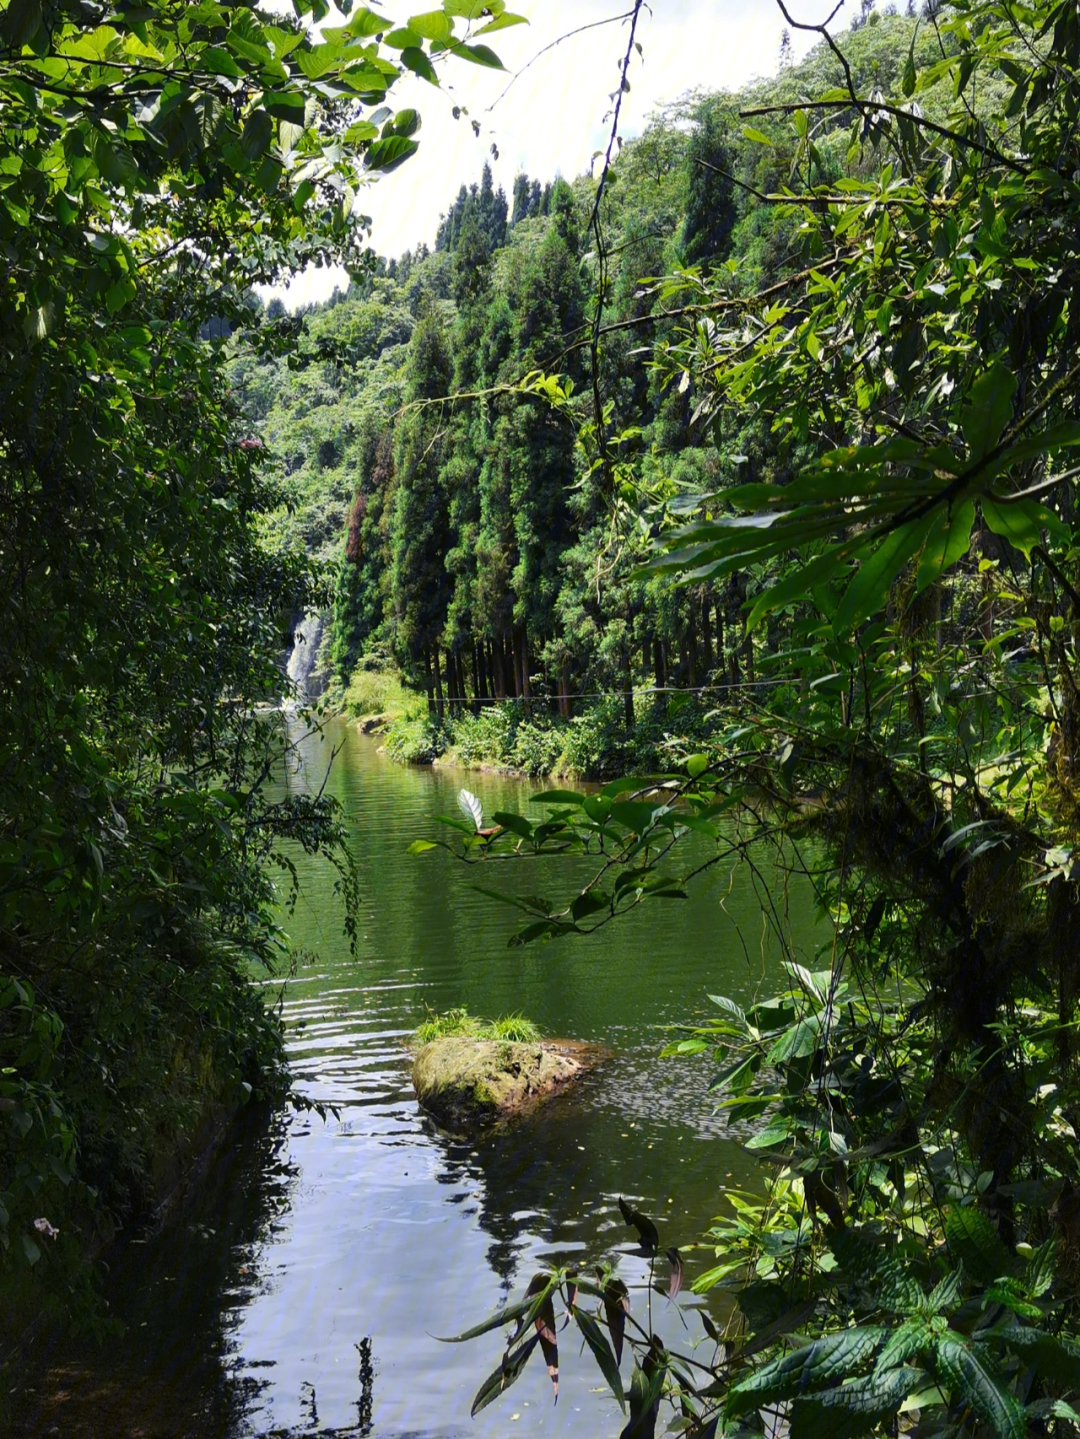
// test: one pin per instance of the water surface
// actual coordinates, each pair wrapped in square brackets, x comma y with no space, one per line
[301,1294]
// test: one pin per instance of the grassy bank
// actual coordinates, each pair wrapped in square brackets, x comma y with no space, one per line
[596,743]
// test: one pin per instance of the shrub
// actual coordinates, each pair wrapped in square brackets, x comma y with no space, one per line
[377,690]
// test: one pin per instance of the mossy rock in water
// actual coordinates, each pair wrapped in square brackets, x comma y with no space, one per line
[466,1083]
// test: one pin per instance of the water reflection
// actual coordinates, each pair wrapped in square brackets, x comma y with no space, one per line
[300,1295]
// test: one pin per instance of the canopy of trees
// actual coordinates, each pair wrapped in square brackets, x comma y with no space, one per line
[875,345]
[155,161]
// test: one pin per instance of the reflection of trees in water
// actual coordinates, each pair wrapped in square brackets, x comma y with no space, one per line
[551,1180]
[532,1179]
[167,1377]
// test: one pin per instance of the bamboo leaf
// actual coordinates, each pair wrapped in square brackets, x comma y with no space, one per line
[601,1351]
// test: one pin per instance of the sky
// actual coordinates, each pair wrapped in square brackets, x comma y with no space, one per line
[551,120]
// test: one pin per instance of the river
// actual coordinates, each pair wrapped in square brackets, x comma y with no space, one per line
[300,1293]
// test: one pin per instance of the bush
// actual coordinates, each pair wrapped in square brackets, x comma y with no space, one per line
[592,745]
[416,739]
[376,689]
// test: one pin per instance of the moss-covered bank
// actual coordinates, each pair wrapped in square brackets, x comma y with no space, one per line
[139,1080]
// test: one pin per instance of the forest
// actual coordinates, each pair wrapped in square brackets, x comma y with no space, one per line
[783,409]
[739,475]
[470,538]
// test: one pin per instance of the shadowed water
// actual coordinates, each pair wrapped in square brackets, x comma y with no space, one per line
[300,1295]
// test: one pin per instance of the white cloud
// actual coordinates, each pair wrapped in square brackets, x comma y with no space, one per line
[552,119]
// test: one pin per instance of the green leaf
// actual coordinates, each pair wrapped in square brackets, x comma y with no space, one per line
[601,1350]
[1054,1357]
[415,60]
[388,154]
[421,846]
[758,136]
[1022,524]
[558,796]
[824,1361]
[801,1039]
[853,1408]
[516,823]
[776,1132]
[405,122]
[976,1244]
[591,902]
[636,815]
[257,134]
[988,410]
[868,591]
[959,1368]
[364,23]
[479,55]
[20,22]
[285,105]
[948,541]
[909,79]
[508,1372]
[696,765]
[432,25]
[403,39]
[497,1321]
[501,22]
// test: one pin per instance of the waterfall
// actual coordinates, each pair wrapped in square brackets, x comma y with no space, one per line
[307,636]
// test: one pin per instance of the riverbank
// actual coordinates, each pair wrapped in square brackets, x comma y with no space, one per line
[316,1235]
[512,738]
[139,1118]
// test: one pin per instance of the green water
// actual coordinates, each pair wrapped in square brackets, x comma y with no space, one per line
[312,1237]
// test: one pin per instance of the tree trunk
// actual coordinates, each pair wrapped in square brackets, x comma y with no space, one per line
[748,655]
[566,704]
[477,671]
[628,692]
[521,663]
[438,684]
[986,608]
[428,684]
[708,664]
[660,655]
[455,681]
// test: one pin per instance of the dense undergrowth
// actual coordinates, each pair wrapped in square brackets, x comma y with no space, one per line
[147,840]
[595,744]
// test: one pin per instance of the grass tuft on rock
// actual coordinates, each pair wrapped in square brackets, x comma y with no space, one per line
[460,1024]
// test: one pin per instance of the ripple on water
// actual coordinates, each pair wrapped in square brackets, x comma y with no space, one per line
[372,1223]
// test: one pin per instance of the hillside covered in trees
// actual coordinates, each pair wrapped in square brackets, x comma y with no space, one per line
[469,540]
[844,424]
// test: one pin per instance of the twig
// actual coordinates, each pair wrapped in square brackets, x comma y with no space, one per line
[594,225]
[594,25]
[823,31]
[881,107]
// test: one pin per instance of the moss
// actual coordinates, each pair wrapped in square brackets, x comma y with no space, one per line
[467,1083]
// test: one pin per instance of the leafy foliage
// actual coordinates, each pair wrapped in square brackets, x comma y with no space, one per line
[903,512]
[155,162]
